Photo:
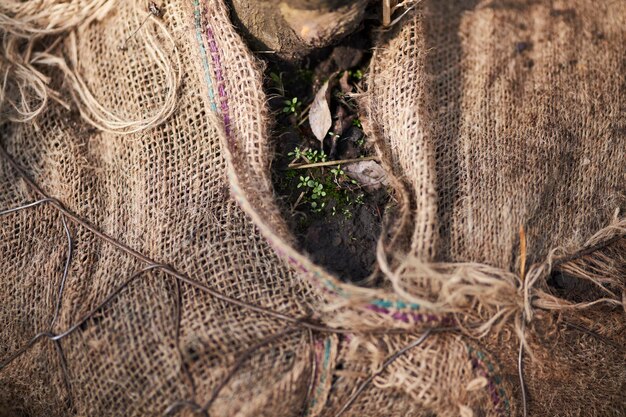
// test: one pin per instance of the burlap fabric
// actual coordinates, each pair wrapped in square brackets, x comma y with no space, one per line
[488,115]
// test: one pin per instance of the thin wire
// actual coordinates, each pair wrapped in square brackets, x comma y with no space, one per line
[65,272]
[72,329]
[194,406]
[299,322]
[590,332]
[312,375]
[123,47]
[183,364]
[387,362]
[240,361]
[107,300]
[64,371]
[24,348]
[520,367]
[184,278]
[25,206]
[153,10]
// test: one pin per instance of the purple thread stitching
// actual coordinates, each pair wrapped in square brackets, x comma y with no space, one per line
[401,316]
[219,78]
[479,367]
[377,309]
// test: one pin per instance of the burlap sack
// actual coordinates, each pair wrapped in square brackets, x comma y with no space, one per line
[489,116]
[163,192]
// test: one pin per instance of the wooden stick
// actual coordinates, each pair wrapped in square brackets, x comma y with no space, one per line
[332,163]
[386,12]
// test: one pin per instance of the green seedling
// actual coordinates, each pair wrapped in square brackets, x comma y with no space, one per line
[296,154]
[314,193]
[292,106]
[307,155]
[357,74]
[325,188]
[315,156]
[337,172]
[306,182]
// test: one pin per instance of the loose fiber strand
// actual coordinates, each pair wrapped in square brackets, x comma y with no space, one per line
[28,22]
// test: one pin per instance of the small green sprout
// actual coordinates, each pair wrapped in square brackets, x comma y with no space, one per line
[306,182]
[337,172]
[308,155]
[357,74]
[318,191]
[292,106]
[314,191]
[315,156]
[357,122]
[296,154]
[325,189]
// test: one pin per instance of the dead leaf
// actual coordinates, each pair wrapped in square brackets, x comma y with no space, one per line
[319,115]
[344,83]
[369,174]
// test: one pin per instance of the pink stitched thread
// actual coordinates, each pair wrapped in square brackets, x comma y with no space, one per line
[219,78]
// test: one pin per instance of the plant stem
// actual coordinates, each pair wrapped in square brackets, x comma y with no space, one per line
[298,201]
[332,163]
[305,111]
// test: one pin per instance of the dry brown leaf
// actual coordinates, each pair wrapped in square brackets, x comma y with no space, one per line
[319,115]
[369,174]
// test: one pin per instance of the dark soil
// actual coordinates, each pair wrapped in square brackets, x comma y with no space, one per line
[339,230]
[347,246]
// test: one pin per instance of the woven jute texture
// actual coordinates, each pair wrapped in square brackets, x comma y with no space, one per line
[146,268]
